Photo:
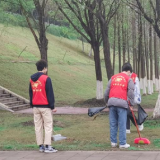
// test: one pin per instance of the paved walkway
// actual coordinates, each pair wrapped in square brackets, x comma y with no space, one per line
[80,155]
[71,110]
[60,110]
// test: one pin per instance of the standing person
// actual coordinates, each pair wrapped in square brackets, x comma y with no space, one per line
[42,100]
[119,90]
[137,100]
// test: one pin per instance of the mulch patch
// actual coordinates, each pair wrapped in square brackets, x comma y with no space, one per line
[55,122]
[90,103]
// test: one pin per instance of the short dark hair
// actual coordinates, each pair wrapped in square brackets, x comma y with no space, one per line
[127,67]
[41,64]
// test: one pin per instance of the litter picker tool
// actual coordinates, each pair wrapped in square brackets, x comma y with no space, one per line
[139,140]
[95,110]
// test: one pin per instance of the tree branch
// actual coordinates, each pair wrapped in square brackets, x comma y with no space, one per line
[60,8]
[29,25]
[150,20]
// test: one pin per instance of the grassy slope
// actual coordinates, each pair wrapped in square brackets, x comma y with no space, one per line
[72,71]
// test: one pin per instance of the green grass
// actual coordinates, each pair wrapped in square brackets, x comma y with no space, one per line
[17,133]
[149,101]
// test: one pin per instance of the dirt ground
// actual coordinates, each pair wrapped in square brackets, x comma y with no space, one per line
[90,103]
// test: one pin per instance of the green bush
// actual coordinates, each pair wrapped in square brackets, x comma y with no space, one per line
[13,19]
[62,31]
[18,20]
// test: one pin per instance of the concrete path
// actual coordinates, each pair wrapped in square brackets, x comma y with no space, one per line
[71,110]
[60,110]
[80,155]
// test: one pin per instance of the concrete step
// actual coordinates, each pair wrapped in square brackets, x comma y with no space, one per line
[1,91]
[14,103]
[20,107]
[5,95]
[10,99]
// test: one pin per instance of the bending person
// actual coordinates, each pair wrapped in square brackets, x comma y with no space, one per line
[137,100]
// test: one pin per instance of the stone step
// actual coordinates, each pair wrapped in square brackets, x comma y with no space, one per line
[20,107]
[15,103]
[6,95]
[10,99]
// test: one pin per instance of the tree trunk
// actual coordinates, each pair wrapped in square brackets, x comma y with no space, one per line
[106,50]
[90,52]
[82,45]
[134,42]
[128,48]
[139,44]
[123,38]
[147,58]
[141,48]
[156,112]
[145,39]
[156,63]
[44,48]
[119,43]
[114,43]
[150,82]
[99,89]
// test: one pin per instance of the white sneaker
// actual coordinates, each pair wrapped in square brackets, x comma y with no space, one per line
[50,149]
[124,146]
[128,131]
[113,145]
[140,127]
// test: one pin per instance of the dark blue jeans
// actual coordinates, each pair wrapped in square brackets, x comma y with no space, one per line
[118,119]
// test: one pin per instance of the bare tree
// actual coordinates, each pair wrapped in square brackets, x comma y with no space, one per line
[40,36]
[105,13]
[84,12]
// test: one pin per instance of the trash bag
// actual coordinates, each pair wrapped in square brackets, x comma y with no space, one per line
[142,115]
[95,110]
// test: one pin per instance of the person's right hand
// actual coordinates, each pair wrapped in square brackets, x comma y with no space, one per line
[54,110]
[131,108]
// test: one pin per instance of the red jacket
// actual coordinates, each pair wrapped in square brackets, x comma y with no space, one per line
[133,76]
[39,91]
[119,85]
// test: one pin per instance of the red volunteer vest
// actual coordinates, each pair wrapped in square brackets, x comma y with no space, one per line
[39,91]
[133,76]
[119,85]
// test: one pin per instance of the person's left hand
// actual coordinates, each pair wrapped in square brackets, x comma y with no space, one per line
[54,110]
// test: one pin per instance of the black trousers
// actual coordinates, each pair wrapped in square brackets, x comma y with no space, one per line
[130,118]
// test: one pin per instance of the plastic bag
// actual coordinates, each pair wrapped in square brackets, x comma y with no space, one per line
[142,115]
[95,110]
